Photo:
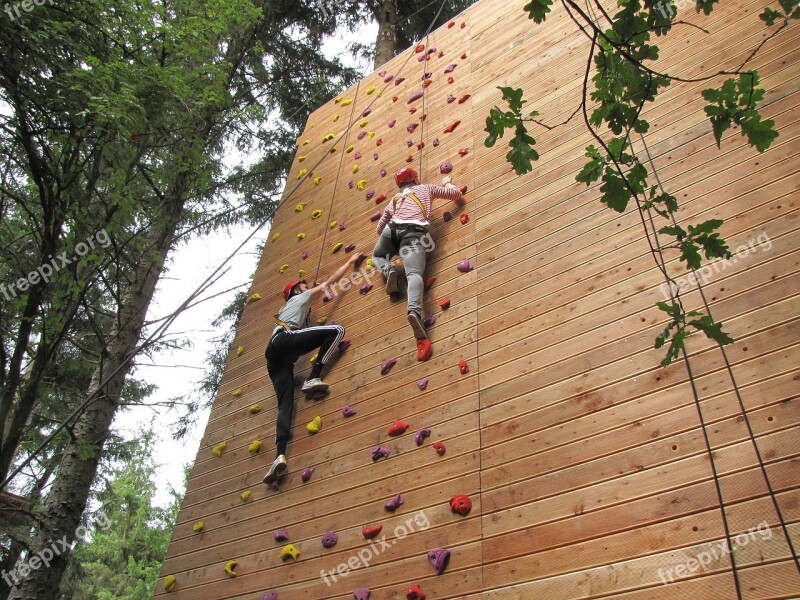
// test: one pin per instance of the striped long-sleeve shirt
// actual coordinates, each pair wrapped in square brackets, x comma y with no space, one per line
[408,211]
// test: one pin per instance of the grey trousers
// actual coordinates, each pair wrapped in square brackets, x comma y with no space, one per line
[412,252]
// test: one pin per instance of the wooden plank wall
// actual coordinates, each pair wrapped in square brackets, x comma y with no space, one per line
[586,462]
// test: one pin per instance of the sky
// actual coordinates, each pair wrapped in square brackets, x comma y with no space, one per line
[177,372]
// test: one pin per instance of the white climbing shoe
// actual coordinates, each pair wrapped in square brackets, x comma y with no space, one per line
[276,470]
[314,385]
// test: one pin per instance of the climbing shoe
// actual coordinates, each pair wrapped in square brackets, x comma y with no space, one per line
[417,326]
[424,350]
[391,281]
[276,470]
[314,385]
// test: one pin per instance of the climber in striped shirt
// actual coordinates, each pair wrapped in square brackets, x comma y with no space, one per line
[403,230]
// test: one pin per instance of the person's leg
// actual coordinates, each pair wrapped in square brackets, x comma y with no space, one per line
[382,259]
[292,345]
[282,376]
[413,254]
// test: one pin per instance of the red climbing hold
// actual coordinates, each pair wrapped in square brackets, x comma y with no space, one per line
[464,218]
[370,532]
[464,98]
[380,198]
[397,428]
[395,98]
[429,283]
[410,159]
[460,504]
[415,593]
[427,83]
[463,367]
[463,189]
[444,303]
[451,24]
[420,146]
[463,25]
[378,143]
[420,48]
[412,110]
[439,447]
[463,152]
[452,127]
[450,80]
[441,53]
[464,56]
[424,350]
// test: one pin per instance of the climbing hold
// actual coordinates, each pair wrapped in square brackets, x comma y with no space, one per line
[314,425]
[306,143]
[370,90]
[464,56]
[387,365]
[254,298]
[169,583]
[350,247]
[427,82]
[422,58]
[397,428]
[409,143]
[380,198]
[423,117]
[302,173]
[289,551]
[441,53]
[415,96]
[349,149]
[370,135]
[463,25]
[283,268]
[335,118]
[447,215]
[301,273]
[422,384]
[370,532]
[322,320]
[379,452]
[450,68]
[460,504]
[336,247]
[429,321]
[219,448]
[361,135]
[304,255]
[369,194]
[420,48]
[342,226]
[420,436]
[436,142]
[450,128]
[446,167]
[415,593]
[299,207]
[463,152]
[409,159]
[361,258]
[465,266]
[450,80]
[444,303]
[317,180]
[424,350]
[451,24]
[254,409]
[229,568]
[392,123]
[357,155]
[329,539]
[270,596]
[420,146]
[348,411]
[381,73]
[411,127]
[280,535]
[439,559]
[361,593]
[388,78]
[347,102]
[429,283]
[364,289]
[316,214]
[361,184]
[375,217]
[375,154]
[363,123]
[328,137]
[463,367]
[301,235]
[254,446]
[344,344]
[355,169]
[333,149]
[239,350]
[464,98]
[198,527]
[451,99]
[464,218]
[439,447]
[393,504]
[245,495]
[395,99]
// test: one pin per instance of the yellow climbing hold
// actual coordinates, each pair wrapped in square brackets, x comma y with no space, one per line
[317,180]
[276,235]
[229,568]
[336,247]
[313,357]
[363,123]
[301,235]
[218,449]
[254,447]
[299,207]
[306,143]
[332,150]
[239,350]
[347,102]
[370,90]
[284,267]
[322,320]
[302,173]
[301,158]
[332,224]
[245,495]
[289,551]
[338,99]
[335,118]
[355,168]
[379,94]
[169,583]
[350,149]
[255,409]
[198,527]
[361,184]
[314,425]
[328,137]
[371,135]
[236,393]
[368,262]
[254,298]
[316,214]
[301,273]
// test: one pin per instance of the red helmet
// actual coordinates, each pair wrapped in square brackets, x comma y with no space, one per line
[405,175]
[287,289]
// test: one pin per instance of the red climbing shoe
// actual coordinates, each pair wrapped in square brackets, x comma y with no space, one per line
[417,326]
[424,350]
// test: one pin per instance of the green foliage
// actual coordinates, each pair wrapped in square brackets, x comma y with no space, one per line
[703,236]
[522,153]
[538,9]
[676,330]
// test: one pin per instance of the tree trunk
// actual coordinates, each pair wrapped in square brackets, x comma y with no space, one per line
[386,43]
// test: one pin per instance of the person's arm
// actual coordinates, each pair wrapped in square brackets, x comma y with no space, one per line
[450,191]
[385,218]
[337,275]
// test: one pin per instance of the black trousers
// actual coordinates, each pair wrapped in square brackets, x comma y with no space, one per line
[282,352]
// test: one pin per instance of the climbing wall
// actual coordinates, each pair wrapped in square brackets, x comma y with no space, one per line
[586,464]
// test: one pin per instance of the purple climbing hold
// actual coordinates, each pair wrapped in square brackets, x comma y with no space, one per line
[409,143]
[415,96]
[361,258]
[383,174]
[465,266]
[375,217]
[392,123]
[446,167]
[350,184]
[361,135]
[451,99]
[364,289]
[375,156]
[380,452]
[357,155]
[439,559]
[427,75]
[327,297]
[370,194]
[388,78]
[270,596]
[422,57]
[450,68]
[412,127]
[281,535]
[348,411]
[432,50]
[342,226]
[387,365]
[436,142]
[429,321]
[420,436]
[306,473]
[399,80]
[304,255]
[381,73]
[393,504]
[422,384]
[366,112]
[343,345]
[330,539]
[361,593]
[350,247]
[447,215]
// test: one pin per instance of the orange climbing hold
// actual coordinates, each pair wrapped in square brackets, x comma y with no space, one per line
[452,127]
[427,83]
[397,428]
[380,198]
[420,48]
[444,303]
[370,532]
[464,98]
[429,283]
[424,350]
